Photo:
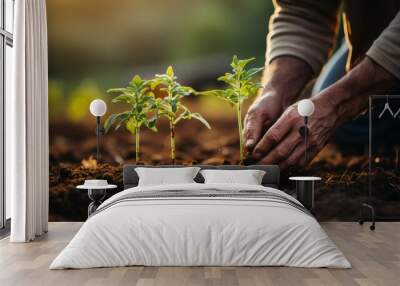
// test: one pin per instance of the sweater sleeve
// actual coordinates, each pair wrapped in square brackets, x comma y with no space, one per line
[305,29]
[385,51]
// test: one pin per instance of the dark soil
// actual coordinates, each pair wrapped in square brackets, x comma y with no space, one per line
[339,195]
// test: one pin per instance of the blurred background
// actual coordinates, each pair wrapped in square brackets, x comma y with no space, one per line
[95,45]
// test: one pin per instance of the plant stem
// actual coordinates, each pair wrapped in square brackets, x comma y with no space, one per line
[137,144]
[240,127]
[172,127]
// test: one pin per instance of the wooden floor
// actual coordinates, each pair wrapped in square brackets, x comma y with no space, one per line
[375,257]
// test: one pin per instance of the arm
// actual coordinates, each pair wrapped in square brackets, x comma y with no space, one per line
[300,39]
[305,29]
[377,73]
[334,106]
[385,51]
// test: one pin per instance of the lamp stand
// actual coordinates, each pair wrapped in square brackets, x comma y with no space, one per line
[304,132]
[99,132]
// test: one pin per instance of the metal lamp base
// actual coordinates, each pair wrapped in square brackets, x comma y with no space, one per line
[96,196]
[305,193]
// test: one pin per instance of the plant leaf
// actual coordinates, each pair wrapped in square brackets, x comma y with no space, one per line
[131,125]
[137,80]
[109,122]
[242,64]
[252,71]
[119,117]
[122,118]
[170,71]
[154,84]
[235,62]
[151,123]
[214,92]
[185,90]
[116,90]
[174,105]
[200,118]
[184,115]
[123,98]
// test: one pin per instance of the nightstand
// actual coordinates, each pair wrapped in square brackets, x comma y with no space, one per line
[305,190]
[96,195]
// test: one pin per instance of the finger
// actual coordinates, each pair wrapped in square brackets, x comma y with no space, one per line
[311,154]
[284,149]
[296,158]
[274,135]
[253,127]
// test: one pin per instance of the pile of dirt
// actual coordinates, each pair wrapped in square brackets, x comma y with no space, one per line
[344,185]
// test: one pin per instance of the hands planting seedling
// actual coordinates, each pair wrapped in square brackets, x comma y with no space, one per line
[240,87]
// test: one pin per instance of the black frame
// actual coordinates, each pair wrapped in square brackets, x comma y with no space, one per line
[6,39]
[367,205]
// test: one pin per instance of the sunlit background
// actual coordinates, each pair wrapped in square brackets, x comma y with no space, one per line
[98,44]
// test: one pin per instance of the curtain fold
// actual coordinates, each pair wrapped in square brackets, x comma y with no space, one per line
[27,155]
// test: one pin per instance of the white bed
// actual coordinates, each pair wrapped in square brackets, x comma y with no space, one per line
[185,230]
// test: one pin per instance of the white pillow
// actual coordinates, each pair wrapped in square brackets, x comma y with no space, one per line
[248,177]
[166,176]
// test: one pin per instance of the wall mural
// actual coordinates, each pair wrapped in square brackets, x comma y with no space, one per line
[167,76]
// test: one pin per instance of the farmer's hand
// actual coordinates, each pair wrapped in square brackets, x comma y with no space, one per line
[264,111]
[284,79]
[282,144]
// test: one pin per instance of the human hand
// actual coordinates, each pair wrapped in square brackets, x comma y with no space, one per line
[346,99]
[282,144]
[263,112]
[283,80]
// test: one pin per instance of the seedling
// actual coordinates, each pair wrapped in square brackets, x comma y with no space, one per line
[171,107]
[142,103]
[240,87]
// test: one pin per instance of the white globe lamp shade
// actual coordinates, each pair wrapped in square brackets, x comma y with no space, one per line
[305,107]
[98,107]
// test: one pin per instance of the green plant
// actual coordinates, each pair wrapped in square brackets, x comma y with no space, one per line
[240,87]
[139,96]
[171,107]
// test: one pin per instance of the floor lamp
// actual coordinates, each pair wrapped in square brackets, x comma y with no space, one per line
[305,184]
[305,108]
[98,108]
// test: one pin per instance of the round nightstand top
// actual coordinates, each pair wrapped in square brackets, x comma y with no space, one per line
[87,187]
[305,178]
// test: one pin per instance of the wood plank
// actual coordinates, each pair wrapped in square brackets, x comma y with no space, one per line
[375,257]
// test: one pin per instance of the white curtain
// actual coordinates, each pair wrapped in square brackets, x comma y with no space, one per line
[27,124]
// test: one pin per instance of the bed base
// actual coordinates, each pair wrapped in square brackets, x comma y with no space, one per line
[270,179]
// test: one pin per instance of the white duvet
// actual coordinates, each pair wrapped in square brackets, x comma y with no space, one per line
[200,231]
